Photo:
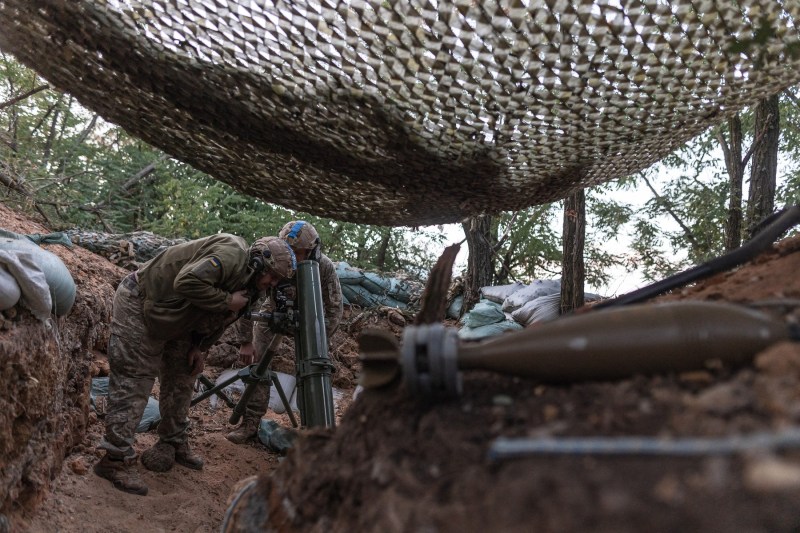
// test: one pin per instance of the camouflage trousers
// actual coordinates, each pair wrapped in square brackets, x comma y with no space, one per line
[259,401]
[136,359]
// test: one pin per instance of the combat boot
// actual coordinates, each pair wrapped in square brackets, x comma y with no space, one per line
[246,431]
[122,474]
[185,457]
[159,458]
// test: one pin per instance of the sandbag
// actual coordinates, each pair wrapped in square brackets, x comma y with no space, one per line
[499,293]
[484,313]
[9,290]
[358,295]
[59,280]
[399,290]
[375,283]
[541,309]
[348,275]
[288,383]
[544,308]
[489,330]
[33,287]
[454,309]
[540,287]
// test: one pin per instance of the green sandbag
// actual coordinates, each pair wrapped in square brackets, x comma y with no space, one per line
[484,313]
[348,275]
[489,330]
[59,280]
[361,296]
[455,307]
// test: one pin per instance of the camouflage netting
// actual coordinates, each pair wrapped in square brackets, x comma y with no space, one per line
[410,113]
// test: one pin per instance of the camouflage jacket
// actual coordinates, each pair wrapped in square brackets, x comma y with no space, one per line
[188,287]
[331,302]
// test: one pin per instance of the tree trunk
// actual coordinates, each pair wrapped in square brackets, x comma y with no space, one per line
[478,231]
[574,237]
[761,198]
[383,247]
[735,167]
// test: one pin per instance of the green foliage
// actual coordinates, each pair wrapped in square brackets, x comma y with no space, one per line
[683,221]
[77,170]
[532,248]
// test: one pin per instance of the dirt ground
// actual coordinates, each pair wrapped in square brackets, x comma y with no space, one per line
[395,463]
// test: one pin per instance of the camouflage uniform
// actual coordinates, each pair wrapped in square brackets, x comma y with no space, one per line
[177,300]
[260,335]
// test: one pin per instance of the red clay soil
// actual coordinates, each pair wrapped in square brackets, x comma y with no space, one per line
[397,464]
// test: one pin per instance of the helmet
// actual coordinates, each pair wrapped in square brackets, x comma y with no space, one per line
[300,235]
[274,254]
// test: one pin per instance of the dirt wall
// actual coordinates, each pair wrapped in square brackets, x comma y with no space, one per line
[45,375]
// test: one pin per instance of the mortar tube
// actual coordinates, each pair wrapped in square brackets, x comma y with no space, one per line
[314,391]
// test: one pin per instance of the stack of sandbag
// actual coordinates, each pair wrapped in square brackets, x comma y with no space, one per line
[369,289]
[540,301]
[486,319]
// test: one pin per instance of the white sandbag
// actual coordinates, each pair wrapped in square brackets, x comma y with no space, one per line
[288,383]
[235,387]
[540,287]
[58,278]
[541,309]
[9,290]
[35,292]
[544,308]
[499,293]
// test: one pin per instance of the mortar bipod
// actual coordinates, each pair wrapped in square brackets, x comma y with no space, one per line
[612,344]
[252,376]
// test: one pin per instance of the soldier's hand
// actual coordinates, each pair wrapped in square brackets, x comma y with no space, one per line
[238,300]
[197,361]
[247,353]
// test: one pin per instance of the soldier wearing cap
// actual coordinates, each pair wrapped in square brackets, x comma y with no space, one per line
[165,316]
[255,338]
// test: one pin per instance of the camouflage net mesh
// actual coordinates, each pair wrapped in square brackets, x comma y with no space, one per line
[413,112]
